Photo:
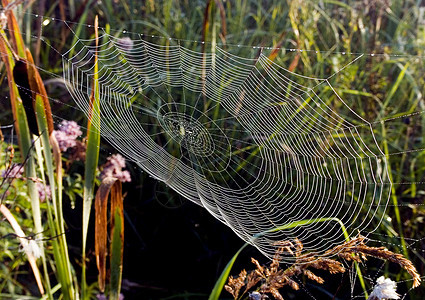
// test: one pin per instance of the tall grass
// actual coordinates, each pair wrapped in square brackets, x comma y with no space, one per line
[48,156]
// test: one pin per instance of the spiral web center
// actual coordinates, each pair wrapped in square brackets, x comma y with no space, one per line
[189,133]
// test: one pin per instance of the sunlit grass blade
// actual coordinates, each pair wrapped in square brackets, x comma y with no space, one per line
[92,157]
[15,35]
[22,130]
[393,193]
[396,84]
[45,125]
[61,255]
[221,281]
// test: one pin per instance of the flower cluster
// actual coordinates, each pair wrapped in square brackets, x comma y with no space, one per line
[15,171]
[44,191]
[114,168]
[67,134]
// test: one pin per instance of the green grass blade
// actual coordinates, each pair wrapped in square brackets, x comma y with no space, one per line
[396,85]
[394,193]
[61,249]
[24,135]
[117,246]
[92,158]
[218,287]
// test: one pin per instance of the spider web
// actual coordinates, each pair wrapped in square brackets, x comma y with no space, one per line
[299,150]
[260,147]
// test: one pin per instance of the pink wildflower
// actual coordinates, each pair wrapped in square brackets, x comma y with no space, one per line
[15,171]
[67,134]
[114,168]
[44,191]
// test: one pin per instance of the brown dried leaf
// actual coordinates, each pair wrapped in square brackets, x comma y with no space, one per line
[37,87]
[101,231]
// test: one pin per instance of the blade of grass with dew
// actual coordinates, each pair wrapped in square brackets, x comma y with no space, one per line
[92,157]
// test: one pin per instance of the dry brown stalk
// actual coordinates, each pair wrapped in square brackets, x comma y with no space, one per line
[235,284]
[357,250]
[273,278]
